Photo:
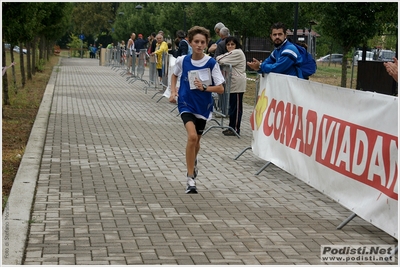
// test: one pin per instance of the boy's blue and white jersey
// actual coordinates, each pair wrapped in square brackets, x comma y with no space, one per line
[196,101]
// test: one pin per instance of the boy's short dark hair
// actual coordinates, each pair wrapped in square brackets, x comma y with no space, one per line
[279,25]
[198,30]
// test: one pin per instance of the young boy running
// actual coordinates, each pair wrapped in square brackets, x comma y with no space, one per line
[200,75]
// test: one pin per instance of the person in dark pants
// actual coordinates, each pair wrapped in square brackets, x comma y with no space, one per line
[237,59]
[140,43]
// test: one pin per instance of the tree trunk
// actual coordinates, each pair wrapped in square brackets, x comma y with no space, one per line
[344,68]
[48,51]
[41,48]
[34,46]
[28,60]
[21,64]
[44,50]
[13,67]
[6,99]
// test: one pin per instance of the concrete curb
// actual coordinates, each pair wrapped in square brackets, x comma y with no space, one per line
[17,212]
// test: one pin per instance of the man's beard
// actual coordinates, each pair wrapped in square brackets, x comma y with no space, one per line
[277,44]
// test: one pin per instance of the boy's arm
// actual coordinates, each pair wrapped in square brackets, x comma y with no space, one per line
[174,91]
[219,89]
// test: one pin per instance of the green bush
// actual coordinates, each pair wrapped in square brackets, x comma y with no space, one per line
[75,45]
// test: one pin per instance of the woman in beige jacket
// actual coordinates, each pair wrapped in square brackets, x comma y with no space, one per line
[237,59]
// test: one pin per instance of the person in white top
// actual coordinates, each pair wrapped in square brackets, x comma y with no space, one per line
[130,46]
[195,100]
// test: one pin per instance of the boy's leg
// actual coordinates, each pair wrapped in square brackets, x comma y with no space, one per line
[194,128]
[199,126]
[192,147]
[190,157]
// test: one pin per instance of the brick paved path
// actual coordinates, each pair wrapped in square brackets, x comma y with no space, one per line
[112,181]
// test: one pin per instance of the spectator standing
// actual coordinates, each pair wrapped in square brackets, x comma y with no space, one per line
[153,43]
[184,48]
[170,50]
[213,47]
[237,59]
[285,58]
[195,101]
[90,51]
[176,43]
[99,50]
[221,48]
[123,55]
[161,48]
[93,51]
[140,43]
[210,43]
[130,50]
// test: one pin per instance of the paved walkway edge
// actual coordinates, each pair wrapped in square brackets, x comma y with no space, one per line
[16,215]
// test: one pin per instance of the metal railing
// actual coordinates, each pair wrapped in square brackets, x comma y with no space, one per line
[138,66]
[153,74]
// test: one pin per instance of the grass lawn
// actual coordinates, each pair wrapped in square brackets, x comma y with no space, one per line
[19,116]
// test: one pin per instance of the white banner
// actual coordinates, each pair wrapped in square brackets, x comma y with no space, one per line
[172,60]
[342,142]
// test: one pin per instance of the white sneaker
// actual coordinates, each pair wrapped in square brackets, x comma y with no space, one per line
[191,186]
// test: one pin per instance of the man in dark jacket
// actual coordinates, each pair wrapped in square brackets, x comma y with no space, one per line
[140,43]
[221,48]
[285,59]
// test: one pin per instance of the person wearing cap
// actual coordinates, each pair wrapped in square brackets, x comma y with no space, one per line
[140,43]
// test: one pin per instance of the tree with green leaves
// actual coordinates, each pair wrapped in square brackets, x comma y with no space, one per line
[92,18]
[56,19]
[18,26]
[23,23]
[349,24]
[146,20]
